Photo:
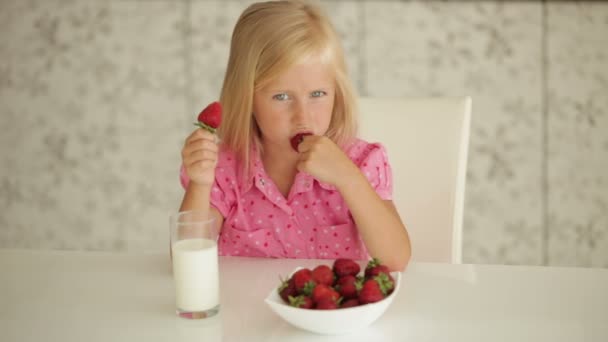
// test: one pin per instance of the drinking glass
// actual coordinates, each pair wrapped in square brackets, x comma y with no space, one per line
[195,264]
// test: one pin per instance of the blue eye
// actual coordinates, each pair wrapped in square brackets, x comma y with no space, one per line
[281,97]
[318,93]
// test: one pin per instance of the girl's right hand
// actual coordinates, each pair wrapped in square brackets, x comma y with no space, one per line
[199,157]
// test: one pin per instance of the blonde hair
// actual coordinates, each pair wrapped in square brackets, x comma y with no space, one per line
[268,38]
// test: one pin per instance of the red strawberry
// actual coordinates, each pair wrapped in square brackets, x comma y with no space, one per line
[322,274]
[370,292]
[322,291]
[348,286]
[386,281]
[211,117]
[374,267]
[287,288]
[301,278]
[326,304]
[308,288]
[301,301]
[297,139]
[350,303]
[343,267]
[375,289]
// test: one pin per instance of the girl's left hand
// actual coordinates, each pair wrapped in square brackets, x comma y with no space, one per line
[323,159]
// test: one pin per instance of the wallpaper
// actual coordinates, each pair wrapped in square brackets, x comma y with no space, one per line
[96,99]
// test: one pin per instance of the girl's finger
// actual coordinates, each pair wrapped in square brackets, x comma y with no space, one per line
[201,144]
[200,134]
[201,155]
[308,142]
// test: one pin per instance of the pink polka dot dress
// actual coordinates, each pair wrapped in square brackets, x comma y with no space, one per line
[313,222]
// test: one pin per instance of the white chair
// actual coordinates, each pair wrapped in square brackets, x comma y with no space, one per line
[427,140]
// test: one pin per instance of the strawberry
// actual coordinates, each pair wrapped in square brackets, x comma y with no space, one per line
[287,288]
[343,267]
[297,139]
[350,303]
[326,304]
[301,301]
[348,286]
[386,281]
[210,118]
[370,292]
[323,291]
[374,267]
[308,288]
[301,278]
[322,274]
[375,289]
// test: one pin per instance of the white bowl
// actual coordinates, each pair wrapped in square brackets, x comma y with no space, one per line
[332,322]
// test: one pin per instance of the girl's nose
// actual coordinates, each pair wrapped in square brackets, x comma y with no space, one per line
[301,112]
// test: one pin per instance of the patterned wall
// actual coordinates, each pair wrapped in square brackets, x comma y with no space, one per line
[97,97]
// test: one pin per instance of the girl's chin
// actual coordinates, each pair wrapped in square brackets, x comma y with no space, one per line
[284,146]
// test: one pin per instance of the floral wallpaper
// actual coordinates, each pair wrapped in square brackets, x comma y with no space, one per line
[96,99]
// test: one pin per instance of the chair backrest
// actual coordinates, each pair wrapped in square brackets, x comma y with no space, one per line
[427,140]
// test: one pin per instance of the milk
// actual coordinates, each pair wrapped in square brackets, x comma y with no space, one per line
[195,269]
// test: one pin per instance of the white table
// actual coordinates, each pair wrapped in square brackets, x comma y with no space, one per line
[94,296]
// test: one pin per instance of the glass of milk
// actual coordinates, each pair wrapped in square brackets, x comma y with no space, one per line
[195,264]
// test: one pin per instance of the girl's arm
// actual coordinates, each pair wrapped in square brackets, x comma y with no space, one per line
[199,158]
[197,198]
[377,220]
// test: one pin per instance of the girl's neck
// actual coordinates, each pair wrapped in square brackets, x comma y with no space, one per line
[280,165]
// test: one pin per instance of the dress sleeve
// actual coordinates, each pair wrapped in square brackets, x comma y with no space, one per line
[222,196]
[375,166]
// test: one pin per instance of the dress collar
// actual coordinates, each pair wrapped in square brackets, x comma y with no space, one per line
[303,181]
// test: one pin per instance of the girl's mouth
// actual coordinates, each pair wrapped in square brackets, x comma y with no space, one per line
[297,139]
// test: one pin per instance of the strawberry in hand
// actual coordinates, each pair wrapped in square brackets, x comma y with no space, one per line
[297,139]
[211,117]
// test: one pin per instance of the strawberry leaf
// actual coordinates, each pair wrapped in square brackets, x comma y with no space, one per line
[385,283]
[373,263]
[205,126]
[309,287]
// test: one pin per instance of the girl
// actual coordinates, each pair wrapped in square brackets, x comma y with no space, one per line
[328,196]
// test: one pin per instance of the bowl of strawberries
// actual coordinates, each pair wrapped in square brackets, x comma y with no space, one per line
[337,298]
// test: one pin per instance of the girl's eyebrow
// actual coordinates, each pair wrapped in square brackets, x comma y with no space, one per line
[286,90]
